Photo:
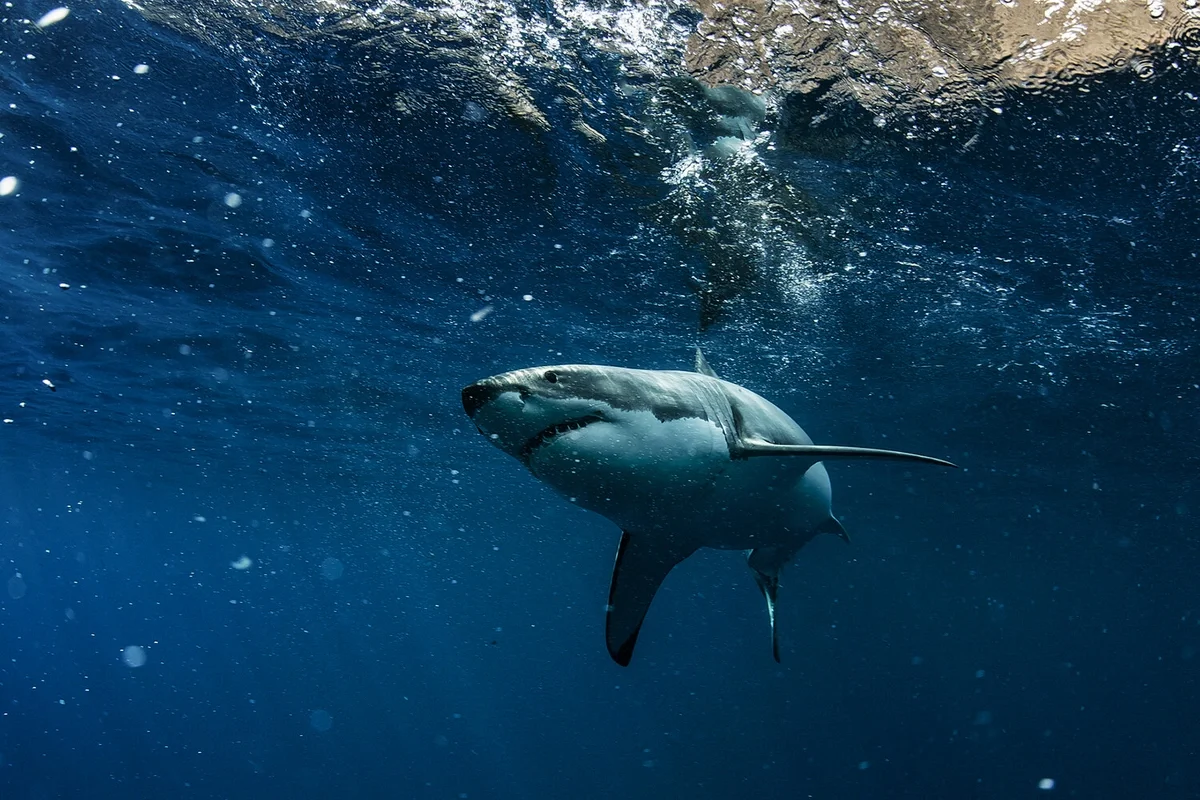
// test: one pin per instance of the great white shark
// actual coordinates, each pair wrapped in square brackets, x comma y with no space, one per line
[678,460]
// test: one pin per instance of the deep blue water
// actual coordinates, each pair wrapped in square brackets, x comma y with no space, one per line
[277,379]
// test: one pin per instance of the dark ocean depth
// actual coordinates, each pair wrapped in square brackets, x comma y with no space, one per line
[251,546]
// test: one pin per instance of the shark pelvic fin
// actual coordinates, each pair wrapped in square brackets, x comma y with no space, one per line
[641,566]
[751,448]
[765,563]
[701,365]
[832,525]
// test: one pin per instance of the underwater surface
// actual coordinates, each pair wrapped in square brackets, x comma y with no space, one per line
[250,254]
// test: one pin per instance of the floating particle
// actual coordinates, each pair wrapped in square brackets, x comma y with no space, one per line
[16,587]
[8,185]
[49,384]
[64,286]
[527,297]
[320,720]
[233,199]
[134,656]
[1046,784]
[332,569]
[199,518]
[481,313]
[141,69]
[242,563]
[53,16]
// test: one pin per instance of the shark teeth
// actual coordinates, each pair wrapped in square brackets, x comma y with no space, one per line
[549,434]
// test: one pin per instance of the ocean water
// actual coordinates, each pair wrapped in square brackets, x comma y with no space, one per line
[251,545]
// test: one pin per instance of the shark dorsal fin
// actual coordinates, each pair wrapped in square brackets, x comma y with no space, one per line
[702,366]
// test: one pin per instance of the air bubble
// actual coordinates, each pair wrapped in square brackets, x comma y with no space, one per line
[1143,68]
[320,720]
[332,569]
[473,112]
[1188,34]
[53,16]
[134,656]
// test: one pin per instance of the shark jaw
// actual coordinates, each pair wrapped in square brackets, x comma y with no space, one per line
[551,433]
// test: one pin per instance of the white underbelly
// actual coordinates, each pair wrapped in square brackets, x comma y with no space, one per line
[756,503]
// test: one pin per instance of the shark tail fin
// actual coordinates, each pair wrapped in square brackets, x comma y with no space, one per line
[701,364]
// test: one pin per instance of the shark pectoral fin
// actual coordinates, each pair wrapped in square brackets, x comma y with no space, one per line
[765,563]
[701,365]
[751,448]
[832,525]
[642,564]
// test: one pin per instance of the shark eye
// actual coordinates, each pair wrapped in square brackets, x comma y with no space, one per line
[551,377]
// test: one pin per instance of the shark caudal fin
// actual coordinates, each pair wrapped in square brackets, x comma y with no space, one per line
[641,566]
[752,448]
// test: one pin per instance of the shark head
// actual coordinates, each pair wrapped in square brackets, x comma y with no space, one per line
[527,410]
[608,438]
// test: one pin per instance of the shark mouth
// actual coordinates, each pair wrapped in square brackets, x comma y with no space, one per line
[548,435]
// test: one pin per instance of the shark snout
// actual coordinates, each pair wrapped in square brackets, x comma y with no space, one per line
[478,395]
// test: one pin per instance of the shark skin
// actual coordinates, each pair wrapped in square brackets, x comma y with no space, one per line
[678,460]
